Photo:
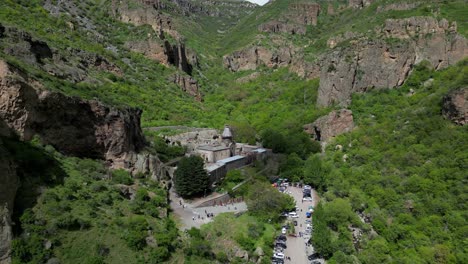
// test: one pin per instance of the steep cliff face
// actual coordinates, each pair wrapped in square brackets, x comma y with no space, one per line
[72,125]
[72,64]
[9,184]
[7,194]
[188,85]
[294,20]
[252,57]
[379,64]
[331,125]
[455,106]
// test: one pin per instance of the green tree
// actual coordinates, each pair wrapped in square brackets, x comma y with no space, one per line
[314,172]
[274,140]
[190,177]
[322,236]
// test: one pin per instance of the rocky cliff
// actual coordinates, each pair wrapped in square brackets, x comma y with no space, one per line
[294,20]
[9,185]
[455,106]
[331,125]
[72,64]
[188,85]
[72,125]
[367,64]
[252,57]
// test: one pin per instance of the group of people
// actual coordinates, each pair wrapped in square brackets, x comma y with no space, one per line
[208,215]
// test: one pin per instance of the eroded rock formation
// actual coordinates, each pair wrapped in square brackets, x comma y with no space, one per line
[188,85]
[331,125]
[38,53]
[455,106]
[252,57]
[9,184]
[366,64]
[72,125]
[282,27]
[359,3]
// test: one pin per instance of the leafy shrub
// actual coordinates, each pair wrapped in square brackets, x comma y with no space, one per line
[122,176]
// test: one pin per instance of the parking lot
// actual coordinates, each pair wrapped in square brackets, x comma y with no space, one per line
[297,249]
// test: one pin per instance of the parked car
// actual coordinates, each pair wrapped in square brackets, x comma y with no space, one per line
[293,215]
[313,256]
[295,223]
[308,214]
[281,238]
[283,231]
[281,244]
[278,255]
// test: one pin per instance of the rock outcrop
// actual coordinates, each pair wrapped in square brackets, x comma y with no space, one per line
[367,64]
[294,20]
[331,125]
[252,57]
[72,125]
[39,54]
[455,106]
[398,7]
[188,85]
[304,13]
[9,184]
[282,27]
[359,3]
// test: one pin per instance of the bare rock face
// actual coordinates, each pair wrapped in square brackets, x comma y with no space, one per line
[398,7]
[282,27]
[9,184]
[455,106]
[359,3]
[72,125]
[188,85]
[305,13]
[294,20]
[252,57]
[378,64]
[356,69]
[37,53]
[331,125]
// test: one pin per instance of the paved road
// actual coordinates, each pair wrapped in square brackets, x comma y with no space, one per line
[195,217]
[296,249]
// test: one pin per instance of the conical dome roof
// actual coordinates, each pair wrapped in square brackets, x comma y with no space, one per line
[227,132]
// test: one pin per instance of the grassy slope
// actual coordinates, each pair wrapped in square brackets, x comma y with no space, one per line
[404,169]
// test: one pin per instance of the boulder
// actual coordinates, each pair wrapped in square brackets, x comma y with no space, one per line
[455,106]
[243,254]
[331,125]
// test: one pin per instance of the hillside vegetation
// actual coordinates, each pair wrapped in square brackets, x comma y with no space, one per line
[393,190]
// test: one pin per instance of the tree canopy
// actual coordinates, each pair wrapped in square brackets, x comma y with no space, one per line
[191,179]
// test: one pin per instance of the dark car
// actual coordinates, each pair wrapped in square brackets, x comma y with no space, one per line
[295,223]
[282,238]
[280,244]
[313,256]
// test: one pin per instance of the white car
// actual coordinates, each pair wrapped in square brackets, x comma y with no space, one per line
[283,231]
[278,255]
[293,215]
